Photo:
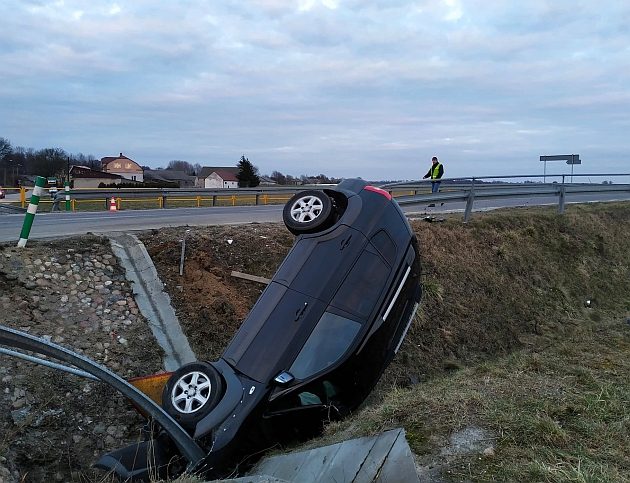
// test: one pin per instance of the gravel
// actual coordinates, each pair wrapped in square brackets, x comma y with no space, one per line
[53,425]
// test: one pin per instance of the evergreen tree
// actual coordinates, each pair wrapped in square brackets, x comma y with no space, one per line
[247,174]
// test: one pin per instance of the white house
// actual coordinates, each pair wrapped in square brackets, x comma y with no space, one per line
[218,177]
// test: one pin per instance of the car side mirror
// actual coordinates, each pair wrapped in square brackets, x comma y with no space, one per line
[284,378]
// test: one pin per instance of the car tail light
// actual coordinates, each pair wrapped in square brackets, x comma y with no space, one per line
[379,191]
[152,385]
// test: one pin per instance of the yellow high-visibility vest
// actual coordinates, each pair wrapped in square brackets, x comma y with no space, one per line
[436,171]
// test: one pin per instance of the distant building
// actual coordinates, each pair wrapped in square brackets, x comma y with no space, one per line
[218,177]
[182,179]
[123,166]
[84,177]
[267,181]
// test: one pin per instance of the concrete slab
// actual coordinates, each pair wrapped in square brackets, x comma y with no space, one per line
[383,458]
[152,301]
[251,479]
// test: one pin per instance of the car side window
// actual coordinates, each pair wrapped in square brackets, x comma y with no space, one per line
[362,287]
[330,339]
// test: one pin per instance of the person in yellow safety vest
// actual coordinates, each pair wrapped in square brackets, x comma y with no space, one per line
[435,173]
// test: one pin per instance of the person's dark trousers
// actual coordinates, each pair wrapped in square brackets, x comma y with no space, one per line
[435,186]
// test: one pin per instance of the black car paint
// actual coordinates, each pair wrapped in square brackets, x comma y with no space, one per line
[371,231]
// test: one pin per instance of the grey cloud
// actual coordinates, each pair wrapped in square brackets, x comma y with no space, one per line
[366,88]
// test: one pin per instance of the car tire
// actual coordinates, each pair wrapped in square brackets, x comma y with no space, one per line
[308,212]
[192,392]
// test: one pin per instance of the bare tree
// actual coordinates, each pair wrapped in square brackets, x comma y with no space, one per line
[5,148]
[278,177]
[179,165]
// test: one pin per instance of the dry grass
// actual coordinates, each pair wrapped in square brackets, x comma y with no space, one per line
[550,378]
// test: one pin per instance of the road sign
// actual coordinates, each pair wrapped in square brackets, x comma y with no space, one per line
[571,159]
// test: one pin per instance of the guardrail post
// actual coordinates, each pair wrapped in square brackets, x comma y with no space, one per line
[257,198]
[561,199]
[23,196]
[163,201]
[214,200]
[469,202]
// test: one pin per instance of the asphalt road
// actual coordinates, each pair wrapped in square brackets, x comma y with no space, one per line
[53,225]
[56,225]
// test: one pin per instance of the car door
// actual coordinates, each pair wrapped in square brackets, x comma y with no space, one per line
[319,263]
[273,332]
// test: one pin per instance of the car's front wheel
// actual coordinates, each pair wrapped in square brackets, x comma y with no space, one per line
[192,392]
[308,212]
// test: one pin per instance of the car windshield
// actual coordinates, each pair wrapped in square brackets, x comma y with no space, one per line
[330,339]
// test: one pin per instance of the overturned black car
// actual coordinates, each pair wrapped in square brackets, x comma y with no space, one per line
[312,347]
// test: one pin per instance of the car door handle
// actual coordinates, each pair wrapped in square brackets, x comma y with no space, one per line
[300,312]
[345,242]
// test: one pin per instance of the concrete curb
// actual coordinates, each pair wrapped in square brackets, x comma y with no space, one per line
[152,301]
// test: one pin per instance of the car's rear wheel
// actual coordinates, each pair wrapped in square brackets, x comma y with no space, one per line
[308,212]
[192,392]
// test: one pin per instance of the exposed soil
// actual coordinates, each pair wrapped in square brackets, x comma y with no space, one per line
[488,286]
[209,302]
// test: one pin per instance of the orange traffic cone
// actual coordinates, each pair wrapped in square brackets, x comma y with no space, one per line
[112,204]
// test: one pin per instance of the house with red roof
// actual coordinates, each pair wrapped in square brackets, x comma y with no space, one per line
[218,177]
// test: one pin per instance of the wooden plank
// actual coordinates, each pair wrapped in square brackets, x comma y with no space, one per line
[253,278]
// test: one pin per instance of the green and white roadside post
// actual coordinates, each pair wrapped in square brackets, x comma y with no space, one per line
[66,188]
[32,209]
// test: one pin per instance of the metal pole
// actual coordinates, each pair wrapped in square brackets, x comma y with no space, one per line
[44,362]
[30,212]
[183,255]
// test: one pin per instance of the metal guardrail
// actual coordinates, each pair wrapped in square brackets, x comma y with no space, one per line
[408,192]
[87,368]
[456,190]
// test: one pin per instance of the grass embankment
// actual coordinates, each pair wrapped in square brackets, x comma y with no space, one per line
[504,342]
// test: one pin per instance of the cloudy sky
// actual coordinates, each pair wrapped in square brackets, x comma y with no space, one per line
[341,87]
